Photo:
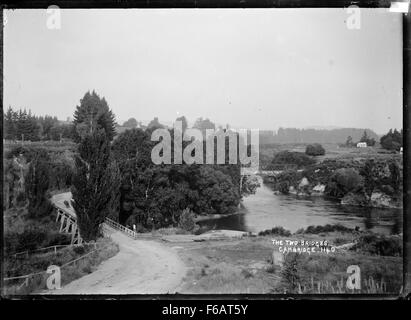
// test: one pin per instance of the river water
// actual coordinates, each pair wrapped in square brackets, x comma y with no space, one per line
[265,210]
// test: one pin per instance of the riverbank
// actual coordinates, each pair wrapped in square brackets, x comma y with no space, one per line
[214,216]
[368,183]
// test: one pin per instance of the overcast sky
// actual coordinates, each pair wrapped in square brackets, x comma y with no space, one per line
[249,68]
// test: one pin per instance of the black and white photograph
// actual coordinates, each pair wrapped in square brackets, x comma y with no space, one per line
[220,151]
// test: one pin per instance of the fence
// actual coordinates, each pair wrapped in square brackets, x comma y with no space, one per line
[117,226]
[31,275]
[51,248]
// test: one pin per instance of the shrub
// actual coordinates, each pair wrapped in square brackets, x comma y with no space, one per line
[284,187]
[290,273]
[315,149]
[326,228]
[343,181]
[355,199]
[380,245]
[186,221]
[33,238]
[286,179]
[278,231]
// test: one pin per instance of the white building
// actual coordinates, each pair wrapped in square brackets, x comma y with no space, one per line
[362,145]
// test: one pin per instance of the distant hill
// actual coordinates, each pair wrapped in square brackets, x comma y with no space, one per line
[293,135]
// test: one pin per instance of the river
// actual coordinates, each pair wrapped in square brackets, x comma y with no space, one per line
[265,210]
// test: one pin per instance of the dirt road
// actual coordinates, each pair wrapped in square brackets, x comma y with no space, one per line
[140,267]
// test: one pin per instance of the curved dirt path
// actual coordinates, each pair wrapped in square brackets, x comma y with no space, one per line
[140,267]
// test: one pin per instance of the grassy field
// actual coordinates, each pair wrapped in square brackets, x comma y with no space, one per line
[332,151]
[245,266]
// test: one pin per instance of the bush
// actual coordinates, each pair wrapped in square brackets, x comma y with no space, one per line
[326,228]
[277,231]
[284,187]
[33,238]
[315,149]
[343,181]
[291,271]
[285,180]
[380,245]
[186,221]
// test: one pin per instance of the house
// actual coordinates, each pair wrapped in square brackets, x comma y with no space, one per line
[362,145]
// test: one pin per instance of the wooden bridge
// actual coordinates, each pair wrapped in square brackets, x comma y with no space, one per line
[68,219]
[66,216]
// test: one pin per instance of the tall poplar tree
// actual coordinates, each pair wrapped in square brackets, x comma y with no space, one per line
[95,183]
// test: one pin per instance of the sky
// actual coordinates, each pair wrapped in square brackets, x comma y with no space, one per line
[250,68]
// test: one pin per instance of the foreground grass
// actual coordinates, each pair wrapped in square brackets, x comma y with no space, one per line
[327,274]
[104,250]
[228,266]
[245,266]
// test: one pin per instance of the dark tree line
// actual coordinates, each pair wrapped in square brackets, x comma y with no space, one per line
[294,135]
[393,140]
[119,177]
[30,172]
[149,195]
[23,125]
[156,195]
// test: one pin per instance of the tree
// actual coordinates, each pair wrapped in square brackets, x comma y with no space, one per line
[184,122]
[10,118]
[349,142]
[55,133]
[93,114]
[95,183]
[154,124]
[395,175]
[217,192]
[156,195]
[315,149]
[37,184]
[203,125]
[47,123]
[130,123]
[369,176]
[26,126]
[392,140]
[365,138]
[343,181]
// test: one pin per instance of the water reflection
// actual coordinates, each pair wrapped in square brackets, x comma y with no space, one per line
[265,210]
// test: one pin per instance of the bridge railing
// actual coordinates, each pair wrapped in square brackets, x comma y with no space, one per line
[118,226]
